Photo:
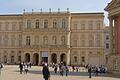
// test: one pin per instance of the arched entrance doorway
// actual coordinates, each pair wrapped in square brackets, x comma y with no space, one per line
[54,58]
[36,59]
[27,57]
[62,57]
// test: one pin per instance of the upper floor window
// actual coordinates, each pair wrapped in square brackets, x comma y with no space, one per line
[63,40]
[98,25]
[98,43]
[36,40]
[75,58]
[6,25]
[13,40]
[13,25]
[75,43]
[29,24]
[54,23]
[28,40]
[45,23]
[37,24]
[83,36]
[107,37]
[83,26]
[20,25]
[98,36]
[91,37]
[107,45]
[6,40]
[90,25]
[20,40]
[82,43]
[91,43]
[45,40]
[54,40]
[82,59]
[63,23]
[75,26]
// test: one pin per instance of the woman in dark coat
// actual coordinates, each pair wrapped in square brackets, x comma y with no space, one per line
[46,73]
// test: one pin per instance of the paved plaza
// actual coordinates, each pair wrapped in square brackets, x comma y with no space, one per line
[11,72]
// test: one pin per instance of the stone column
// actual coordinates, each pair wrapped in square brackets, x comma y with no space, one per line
[58,57]
[49,57]
[111,34]
[86,58]
[16,57]
[8,58]
[31,57]
[68,58]
[40,57]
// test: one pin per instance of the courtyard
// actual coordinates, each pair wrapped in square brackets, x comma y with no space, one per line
[11,72]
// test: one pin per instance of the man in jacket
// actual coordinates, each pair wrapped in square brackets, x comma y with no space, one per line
[45,71]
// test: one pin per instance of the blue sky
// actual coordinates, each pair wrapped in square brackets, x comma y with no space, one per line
[17,6]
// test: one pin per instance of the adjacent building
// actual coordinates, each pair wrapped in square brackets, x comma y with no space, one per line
[107,43]
[113,8]
[75,38]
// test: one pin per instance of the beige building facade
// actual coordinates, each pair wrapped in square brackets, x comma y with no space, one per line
[75,38]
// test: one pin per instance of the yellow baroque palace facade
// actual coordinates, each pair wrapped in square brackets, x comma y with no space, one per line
[75,38]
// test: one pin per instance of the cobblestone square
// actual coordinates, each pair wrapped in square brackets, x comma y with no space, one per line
[11,72]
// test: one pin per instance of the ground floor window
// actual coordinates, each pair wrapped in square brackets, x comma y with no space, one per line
[5,59]
[12,59]
[83,59]
[54,58]
[27,57]
[19,58]
[75,59]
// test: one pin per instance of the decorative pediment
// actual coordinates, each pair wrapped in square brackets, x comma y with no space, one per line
[112,5]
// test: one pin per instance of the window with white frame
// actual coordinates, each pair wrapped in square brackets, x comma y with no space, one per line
[29,24]
[98,25]
[54,23]
[37,24]
[45,23]
[63,23]
[27,40]
[90,25]
[107,45]
[45,40]
[83,26]
[63,40]
[36,42]
[54,40]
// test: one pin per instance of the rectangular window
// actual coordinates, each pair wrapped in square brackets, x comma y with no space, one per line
[75,26]
[107,45]
[83,26]
[29,24]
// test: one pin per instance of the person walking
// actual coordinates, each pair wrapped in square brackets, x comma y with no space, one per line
[26,68]
[66,70]
[55,69]
[46,73]
[21,67]
[89,71]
